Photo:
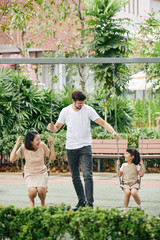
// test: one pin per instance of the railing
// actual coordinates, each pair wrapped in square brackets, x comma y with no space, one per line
[77,60]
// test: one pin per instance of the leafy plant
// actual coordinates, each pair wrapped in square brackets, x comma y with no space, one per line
[108,39]
[152,110]
[55,222]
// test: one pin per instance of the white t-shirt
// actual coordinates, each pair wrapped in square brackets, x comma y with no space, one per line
[125,164]
[78,125]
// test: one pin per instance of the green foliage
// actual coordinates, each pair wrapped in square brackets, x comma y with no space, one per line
[124,114]
[108,39]
[150,105]
[87,224]
[35,106]
[124,109]
[147,44]
[31,113]
[59,141]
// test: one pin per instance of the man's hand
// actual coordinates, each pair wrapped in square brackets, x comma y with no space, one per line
[115,135]
[51,127]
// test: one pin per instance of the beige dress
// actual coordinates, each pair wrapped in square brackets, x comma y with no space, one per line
[35,171]
[130,178]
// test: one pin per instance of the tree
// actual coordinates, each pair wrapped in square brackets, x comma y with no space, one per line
[147,44]
[64,23]
[49,19]
[19,23]
[70,19]
[101,15]
[150,30]
[109,39]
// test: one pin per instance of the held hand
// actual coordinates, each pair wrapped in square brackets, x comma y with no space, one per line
[115,135]
[50,141]
[118,163]
[141,163]
[19,140]
[50,127]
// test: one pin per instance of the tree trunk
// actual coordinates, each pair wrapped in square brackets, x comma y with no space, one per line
[82,81]
[81,66]
[105,117]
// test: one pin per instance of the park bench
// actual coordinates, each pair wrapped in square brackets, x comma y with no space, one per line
[107,149]
[149,150]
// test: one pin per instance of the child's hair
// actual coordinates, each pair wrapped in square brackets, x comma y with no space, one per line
[28,138]
[135,153]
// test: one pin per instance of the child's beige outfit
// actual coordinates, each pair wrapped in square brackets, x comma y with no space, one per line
[130,176]
[35,171]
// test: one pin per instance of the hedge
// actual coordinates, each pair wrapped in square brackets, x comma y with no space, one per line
[60,222]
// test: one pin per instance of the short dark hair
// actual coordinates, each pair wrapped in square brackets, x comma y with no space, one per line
[135,153]
[28,138]
[78,95]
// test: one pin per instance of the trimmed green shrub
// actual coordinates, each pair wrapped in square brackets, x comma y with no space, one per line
[55,222]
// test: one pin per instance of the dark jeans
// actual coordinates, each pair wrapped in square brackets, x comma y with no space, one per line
[82,156]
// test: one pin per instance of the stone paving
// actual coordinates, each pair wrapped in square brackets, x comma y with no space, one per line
[107,193]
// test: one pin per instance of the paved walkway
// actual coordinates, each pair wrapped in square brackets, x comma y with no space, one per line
[107,192]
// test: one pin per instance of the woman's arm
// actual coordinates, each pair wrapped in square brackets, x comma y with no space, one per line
[52,152]
[13,156]
[119,173]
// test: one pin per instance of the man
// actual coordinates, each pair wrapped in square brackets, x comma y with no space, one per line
[77,117]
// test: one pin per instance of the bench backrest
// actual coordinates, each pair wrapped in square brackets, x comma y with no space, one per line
[109,145]
[149,146]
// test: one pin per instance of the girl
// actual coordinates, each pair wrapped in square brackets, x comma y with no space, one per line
[129,172]
[35,172]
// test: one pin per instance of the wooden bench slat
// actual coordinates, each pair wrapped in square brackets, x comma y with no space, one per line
[109,141]
[150,156]
[149,146]
[151,151]
[108,150]
[107,147]
[107,156]
[97,141]
[149,141]
[114,141]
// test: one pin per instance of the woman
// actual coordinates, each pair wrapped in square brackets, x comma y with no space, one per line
[35,172]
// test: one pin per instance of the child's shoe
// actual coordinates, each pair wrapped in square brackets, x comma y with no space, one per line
[140,207]
[125,210]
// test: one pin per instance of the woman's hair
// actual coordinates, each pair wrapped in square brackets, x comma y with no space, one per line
[135,153]
[28,138]
[78,95]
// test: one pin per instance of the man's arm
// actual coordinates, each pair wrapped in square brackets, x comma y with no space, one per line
[107,127]
[54,128]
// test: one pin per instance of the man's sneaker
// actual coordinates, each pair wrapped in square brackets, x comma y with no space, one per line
[80,204]
[89,205]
